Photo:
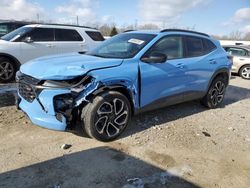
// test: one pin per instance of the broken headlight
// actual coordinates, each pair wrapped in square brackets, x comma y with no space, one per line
[75,84]
[63,102]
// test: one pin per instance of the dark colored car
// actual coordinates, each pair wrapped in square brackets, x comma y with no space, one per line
[8,26]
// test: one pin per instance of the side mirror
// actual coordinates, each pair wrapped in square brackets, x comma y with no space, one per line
[155,58]
[28,40]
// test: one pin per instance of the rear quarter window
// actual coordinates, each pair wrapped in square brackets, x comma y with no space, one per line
[95,35]
[208,46]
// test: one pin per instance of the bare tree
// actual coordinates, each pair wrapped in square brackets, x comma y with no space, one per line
[247,36]
[235,35]
[105,29]
[148,27]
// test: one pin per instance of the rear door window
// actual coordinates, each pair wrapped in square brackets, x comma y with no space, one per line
[194,46]
[95,35]
[67,35]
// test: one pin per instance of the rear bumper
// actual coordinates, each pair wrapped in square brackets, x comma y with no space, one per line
[41,111]
[234,69]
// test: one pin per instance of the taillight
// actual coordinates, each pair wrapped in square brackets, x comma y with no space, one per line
[231,58]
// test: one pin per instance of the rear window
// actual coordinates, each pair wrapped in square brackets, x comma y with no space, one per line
[67,35]
[194,46]
[95,35]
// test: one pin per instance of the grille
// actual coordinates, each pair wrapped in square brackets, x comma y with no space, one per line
[27,79]
[27,92]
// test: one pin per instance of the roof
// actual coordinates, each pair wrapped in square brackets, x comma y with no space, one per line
[156,32]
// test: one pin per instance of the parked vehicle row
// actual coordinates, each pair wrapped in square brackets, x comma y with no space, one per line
[33,41]
[128,74]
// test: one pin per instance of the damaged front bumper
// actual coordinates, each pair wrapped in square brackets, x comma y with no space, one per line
[41,110]
[50,104]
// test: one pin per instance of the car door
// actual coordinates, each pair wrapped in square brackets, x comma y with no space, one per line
[69,40]
[164,83]
[37,43]
[200,64]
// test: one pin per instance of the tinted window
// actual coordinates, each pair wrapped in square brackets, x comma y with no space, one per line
[40,34]
[17,34]
[171,46]
[94,35]
[194,46]
[208,46]
[3,29]
[67,35]
[237,52]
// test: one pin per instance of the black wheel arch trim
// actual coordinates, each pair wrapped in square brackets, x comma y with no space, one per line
[120,88]
[216,73]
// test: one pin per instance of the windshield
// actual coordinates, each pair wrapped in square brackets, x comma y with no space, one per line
[16,33]
[122,46]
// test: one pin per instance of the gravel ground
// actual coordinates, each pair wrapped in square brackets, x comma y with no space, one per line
[184,145]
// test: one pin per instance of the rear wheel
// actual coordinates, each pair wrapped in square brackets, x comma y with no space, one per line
[245,72]
[7,70]
[107,116]
[216,93]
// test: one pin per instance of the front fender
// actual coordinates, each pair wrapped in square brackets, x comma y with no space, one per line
[94,88]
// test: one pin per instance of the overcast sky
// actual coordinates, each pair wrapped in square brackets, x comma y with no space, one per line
[211,16]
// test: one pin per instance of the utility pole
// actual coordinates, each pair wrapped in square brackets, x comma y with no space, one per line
[136,24]
[77,21]
[37,16]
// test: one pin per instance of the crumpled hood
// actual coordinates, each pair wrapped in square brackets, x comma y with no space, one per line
[66,66]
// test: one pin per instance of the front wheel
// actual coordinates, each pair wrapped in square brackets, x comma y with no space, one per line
[107,116]
[216,93]
[245,72]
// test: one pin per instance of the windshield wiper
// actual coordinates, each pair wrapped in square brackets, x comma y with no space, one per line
[97,55]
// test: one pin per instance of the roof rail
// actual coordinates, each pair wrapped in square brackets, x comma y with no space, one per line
[183,30]
[128,30]
[67,25]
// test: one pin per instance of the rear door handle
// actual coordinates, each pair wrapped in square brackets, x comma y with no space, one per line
[242,59]
[212,61]
[180,66]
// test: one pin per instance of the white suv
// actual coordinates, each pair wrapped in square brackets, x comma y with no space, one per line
[33,41]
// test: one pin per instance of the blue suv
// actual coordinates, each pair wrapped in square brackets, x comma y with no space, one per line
[128,74]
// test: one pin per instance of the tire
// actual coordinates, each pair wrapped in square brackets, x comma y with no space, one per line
[107,116]
[245,72]
[216,93]
[7,70]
